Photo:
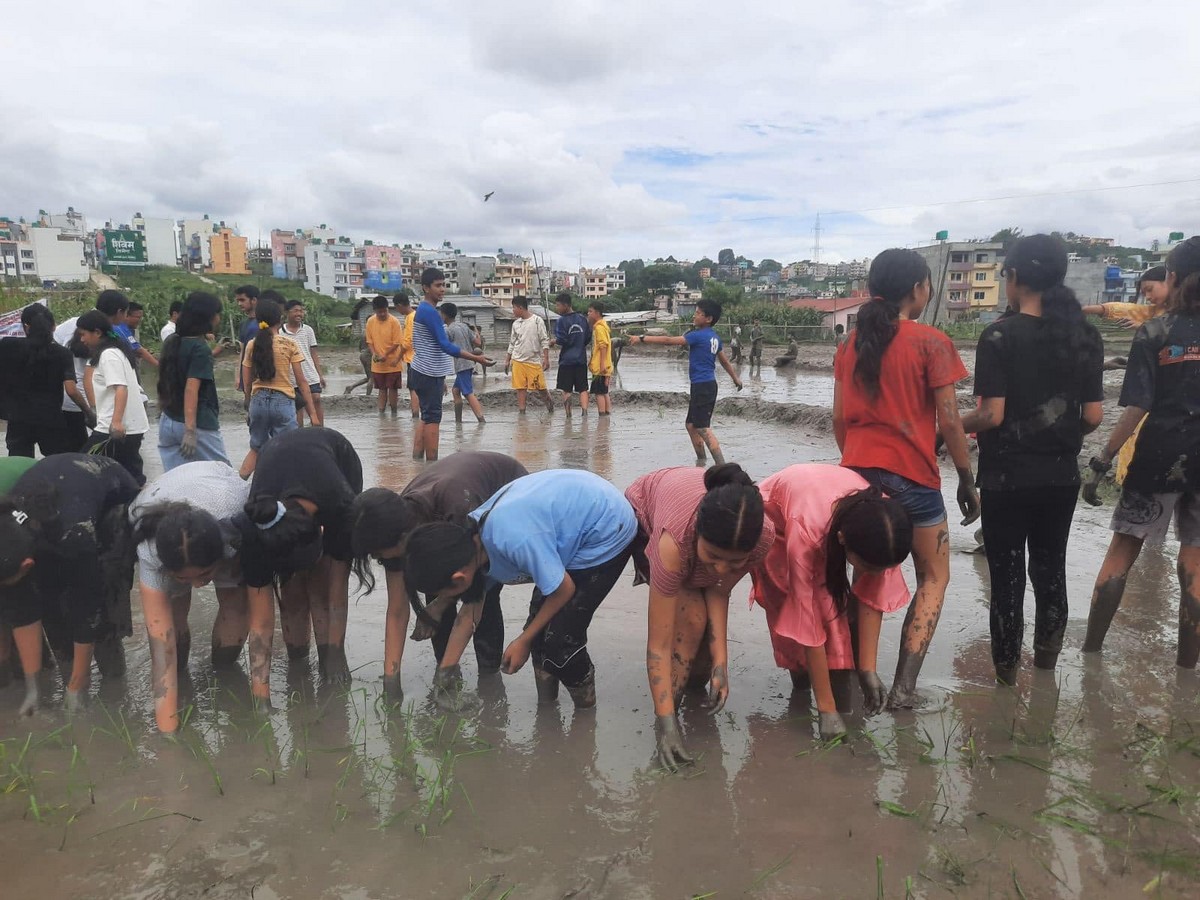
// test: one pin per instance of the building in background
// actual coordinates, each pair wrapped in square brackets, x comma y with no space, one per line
[287,254]
[70,222]
[593,283]
[511,279]
[382,268]
[58,255]
[835,310]
[16,251]
[464,274]
[162,239]
[228,253]
[194,242]
[966,279]
[334,268]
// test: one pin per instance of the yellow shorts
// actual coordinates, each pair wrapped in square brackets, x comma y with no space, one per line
[528,376]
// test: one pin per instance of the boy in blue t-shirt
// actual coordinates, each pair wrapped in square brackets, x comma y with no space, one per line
[704,352]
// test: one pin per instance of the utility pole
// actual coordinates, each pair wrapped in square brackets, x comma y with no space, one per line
[817,240]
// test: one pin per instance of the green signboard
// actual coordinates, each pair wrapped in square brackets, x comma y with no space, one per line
[124,248]
[941,236]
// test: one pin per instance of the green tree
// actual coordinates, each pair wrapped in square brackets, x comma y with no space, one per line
[725,294]
[1007,236]
[769,265]
[726,258]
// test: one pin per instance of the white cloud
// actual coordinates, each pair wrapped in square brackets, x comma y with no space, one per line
[614,129]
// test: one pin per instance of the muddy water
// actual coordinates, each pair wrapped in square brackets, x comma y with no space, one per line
[328,796]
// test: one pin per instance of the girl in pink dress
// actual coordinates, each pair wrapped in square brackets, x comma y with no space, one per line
[828,518]
[699,533]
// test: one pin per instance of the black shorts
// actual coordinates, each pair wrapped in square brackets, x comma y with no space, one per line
[700,408]
[572,379]
[600,386]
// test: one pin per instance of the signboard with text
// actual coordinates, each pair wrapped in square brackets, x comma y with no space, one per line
[124,248]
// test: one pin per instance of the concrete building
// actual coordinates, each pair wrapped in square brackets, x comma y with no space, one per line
[287,254]
[594,283]
[194,242]
[334,268]
[71,222]
[1086,277]
[162,240]
[464,274]
[511,279]
[58,255]
[966,279]
[834,310]
[228,253]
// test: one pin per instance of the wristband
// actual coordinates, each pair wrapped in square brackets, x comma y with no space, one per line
[1098,465]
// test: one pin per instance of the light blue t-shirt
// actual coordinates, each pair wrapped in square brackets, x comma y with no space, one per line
[703,346]
[543,525]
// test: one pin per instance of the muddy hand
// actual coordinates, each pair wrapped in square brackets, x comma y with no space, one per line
[30,704]
[515,656]
[718,690]
[392,691]
[831,726]
[73,700]
[187,445]
[968,500]
[1096,470]
[873,691]
[448,691]
[337,669]
[671,752]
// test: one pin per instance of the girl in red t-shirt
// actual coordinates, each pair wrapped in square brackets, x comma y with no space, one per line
[893,392]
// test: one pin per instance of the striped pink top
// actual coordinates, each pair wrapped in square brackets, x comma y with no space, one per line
[666,501]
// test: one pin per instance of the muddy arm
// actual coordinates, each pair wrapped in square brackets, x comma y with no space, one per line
[989,415]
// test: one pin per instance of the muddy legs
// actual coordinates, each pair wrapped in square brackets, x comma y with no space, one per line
[1110,587]
[931,555]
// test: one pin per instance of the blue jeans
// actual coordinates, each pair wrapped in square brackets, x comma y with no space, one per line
[210,445]
[925,506]
[271,413]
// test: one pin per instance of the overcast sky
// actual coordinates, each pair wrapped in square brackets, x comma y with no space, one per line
[611,128]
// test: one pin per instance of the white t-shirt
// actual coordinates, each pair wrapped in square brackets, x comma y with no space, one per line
[62,336]
[305,339]
[167,331]
[111,370]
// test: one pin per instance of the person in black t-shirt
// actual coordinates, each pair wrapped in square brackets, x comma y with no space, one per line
[34,373]
[296,535]
[1039,377]
[381,521]
[1162,382]
[66,568]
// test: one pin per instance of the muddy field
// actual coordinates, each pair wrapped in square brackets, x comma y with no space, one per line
[1081,785]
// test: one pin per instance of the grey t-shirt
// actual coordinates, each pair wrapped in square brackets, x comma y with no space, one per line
[460,336]
[212,486]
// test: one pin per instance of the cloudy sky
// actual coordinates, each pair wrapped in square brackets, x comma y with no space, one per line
[611,128]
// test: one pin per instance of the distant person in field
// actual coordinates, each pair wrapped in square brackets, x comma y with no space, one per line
[704,352]
[246,298]
[384,334]
[464,369]
[306,339]
[172,317]
[601,363]
[572,334]
[756,343]
[358,328]
[406,315]
[128,330]
[528,354]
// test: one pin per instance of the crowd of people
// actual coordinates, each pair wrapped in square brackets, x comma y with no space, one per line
[822,544]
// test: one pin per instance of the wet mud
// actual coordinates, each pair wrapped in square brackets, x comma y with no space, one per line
[1084,782]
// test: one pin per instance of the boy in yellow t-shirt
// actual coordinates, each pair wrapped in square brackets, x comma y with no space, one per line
[406,315]
[384,336]
[601,363]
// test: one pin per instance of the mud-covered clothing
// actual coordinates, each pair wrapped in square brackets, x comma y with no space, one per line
[1163,377]
[896,429]
[665,502]
[572,334]
[83,552]
[315,464]
[756,342]
[31,382]
[454,486]
[790,584]
[195,360]
[1045,370]
[1040,518]
[550,523]
[214,487]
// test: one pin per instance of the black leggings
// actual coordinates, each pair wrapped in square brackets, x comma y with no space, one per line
[127,451]
[561,648]
[489,632]
[1040,517]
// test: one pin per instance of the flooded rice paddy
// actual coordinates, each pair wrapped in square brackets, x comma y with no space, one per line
[1081,785]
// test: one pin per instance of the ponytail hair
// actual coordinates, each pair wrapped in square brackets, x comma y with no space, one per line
[1039,263]
[39,330]
[730,516]
[262,359]
[875,528]
[894,275]
[1184,261]
[184,536]
[195,320]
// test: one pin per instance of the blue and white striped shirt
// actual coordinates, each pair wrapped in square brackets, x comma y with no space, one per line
[432,349]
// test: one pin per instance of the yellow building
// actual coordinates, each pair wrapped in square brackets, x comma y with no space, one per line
[229,253]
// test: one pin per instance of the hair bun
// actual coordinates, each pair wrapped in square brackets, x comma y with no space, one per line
[726,473]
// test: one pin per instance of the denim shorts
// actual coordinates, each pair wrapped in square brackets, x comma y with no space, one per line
[464,382]
[210,445]
[429,395]
[925,506]
[271,413]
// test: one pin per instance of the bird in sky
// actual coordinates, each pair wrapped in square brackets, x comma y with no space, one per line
[488,196]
